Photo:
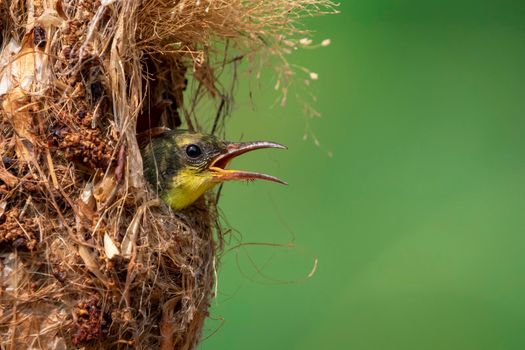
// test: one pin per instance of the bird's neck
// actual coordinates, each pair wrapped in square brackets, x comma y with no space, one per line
[186,189]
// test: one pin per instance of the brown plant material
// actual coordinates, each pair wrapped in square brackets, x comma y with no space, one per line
[91,323]
[89,257]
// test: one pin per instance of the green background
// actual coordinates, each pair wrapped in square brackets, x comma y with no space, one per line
[417,221]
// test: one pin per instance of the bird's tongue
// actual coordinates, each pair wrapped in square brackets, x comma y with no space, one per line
[235,149]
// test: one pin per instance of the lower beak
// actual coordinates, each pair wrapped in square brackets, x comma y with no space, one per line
[234,149]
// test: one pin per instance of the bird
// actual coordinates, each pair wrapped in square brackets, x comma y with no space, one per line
[183,165]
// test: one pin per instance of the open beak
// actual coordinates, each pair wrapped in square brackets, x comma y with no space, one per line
[234,149]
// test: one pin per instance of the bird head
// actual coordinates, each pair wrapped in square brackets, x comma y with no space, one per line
[183,165]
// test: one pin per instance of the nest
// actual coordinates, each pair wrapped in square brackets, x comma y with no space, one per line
[89,257]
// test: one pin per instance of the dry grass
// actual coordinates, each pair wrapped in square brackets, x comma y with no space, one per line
[89,258]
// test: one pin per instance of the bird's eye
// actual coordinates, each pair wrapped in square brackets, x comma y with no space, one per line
[193,151]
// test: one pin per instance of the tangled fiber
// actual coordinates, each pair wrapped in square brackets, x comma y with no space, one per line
[89,257]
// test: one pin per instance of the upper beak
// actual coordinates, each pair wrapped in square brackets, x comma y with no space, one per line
[234,149]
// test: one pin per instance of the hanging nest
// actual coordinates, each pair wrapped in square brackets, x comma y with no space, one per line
[89,257]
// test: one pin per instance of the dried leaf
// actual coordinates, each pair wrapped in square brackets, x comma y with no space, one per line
[86,205]
[3,205]
[12,274]
[21,73]
[110,247]
[26,64]
[6,78]
[105,189]
[90,261]
[9,179]
[87,196]
[50,18]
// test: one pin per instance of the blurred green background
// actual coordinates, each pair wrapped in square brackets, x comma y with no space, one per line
[417,221]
